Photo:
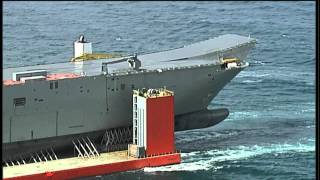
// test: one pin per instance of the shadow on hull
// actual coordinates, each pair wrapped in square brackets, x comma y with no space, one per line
[63,145]
[200,119]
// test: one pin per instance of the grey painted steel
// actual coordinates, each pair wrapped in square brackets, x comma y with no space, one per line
[95,102]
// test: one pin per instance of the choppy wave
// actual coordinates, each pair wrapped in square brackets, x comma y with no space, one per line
[189,136]
[279,74]
[205,160]
[270,101]
[307,61]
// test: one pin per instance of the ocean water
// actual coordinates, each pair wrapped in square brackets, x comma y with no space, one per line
[270,132]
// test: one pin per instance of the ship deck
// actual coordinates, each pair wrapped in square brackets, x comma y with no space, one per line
[61,164]
[76,167]
[180,57]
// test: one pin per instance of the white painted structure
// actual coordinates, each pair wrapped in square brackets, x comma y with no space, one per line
[82,47]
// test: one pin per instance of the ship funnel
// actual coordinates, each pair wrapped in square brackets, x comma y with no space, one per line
[82,47]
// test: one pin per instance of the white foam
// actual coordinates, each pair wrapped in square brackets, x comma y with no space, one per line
[281,74]
[239,116]
[259,62]
[252,81]
[252,74]
[310,83]
[308,110]
[310,126]
[206,160]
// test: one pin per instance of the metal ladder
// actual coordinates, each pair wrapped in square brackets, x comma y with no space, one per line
[135,120]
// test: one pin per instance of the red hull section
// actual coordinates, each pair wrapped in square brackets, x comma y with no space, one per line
[105,168]
[160,125]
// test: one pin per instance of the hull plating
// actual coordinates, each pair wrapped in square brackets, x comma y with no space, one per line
[56,111]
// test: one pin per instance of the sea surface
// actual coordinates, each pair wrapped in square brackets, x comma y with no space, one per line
[270,132]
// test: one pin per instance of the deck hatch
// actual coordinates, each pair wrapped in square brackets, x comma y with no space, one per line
[16,76]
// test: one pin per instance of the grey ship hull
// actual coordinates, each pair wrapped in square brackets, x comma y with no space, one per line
[94,102]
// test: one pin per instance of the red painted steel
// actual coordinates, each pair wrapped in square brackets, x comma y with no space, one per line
[58,76]
[11,82]
[160,125]
[50,77]
[105,168]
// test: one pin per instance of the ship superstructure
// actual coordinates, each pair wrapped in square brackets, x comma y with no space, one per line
[49,105]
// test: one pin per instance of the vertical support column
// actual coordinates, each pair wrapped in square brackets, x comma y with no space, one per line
[153,127]
[135,119]
[160,125]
